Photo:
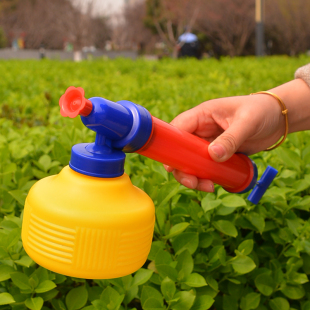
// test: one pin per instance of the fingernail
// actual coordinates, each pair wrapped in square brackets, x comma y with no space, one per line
[206,187]
[187,182]
[218,150]
[168,168]
[211,188]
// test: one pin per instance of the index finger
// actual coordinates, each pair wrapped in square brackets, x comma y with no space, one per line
[188,120]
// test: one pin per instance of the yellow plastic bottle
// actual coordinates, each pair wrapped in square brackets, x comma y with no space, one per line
[88,227]
[89,221]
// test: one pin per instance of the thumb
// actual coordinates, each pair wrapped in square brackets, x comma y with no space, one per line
[225,145]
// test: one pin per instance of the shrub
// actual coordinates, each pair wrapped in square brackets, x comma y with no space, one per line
[210,251]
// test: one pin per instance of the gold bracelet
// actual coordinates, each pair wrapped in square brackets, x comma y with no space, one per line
[284,112]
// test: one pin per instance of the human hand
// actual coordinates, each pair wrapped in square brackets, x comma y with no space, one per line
[246,124]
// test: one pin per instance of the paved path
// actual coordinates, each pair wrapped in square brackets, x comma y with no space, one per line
[8,53]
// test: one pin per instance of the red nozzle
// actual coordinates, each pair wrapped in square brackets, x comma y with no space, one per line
[72,103]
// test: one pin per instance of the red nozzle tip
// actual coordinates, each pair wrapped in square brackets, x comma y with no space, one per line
[72,103]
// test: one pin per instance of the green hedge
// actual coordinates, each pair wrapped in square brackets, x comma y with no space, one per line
[210,251]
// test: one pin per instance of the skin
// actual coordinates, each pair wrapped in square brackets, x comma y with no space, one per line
[247,124]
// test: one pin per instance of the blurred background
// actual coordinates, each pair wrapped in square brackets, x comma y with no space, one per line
[80,29]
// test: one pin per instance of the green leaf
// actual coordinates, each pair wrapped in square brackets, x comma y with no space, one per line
[152,304]
[25,261]
[234,281]
[45,161]
[256,220]
[59,278]
[111,298]
[177,229]
[185,300]
[246,247]
[230,302]
[163,258]
[162,264]
[289,158]
[157,167]
[279,303]
[34,303]
[185,241]
[233,201]
[185,264]
[306,305]
[202,302]
[205,240]
[49,295]
[142,276]
[45,286]
[298,278]
[10,168]
[5,272]
[226,228]
[293,292]
[243,264]
[294,226]
[58,304]
[61,153]
[195,280]
[91,307]
[12,238]
[8,225]
[156,247]
[167,271]
[150,292]
[21,280]
[6,299]
[18,195]
[168,288]
[208,204]
[34,281]
[210,280]
[76,298]
[41,273]
[265,284]
[250,301]
[166,192]
[130,294]
[225,210]
[217,253]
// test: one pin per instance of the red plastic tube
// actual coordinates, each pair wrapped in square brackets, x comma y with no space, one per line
[188,153]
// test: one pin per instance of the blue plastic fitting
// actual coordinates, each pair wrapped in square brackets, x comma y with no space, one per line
[262,185]
[121,127]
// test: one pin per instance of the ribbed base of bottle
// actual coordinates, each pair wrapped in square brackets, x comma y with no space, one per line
[85,252]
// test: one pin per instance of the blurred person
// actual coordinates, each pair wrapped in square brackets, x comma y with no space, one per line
[188,45]
[42,51]
[247,124]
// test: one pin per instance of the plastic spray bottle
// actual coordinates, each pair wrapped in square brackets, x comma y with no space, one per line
[89,221]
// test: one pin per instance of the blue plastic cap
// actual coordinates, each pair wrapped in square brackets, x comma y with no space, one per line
[262,185]
[102,162]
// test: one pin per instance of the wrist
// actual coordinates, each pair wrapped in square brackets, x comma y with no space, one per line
[284,112]
[296,96]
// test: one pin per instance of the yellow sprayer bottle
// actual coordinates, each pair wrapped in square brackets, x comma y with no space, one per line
[89,221]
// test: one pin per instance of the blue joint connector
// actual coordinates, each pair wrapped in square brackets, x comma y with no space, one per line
[262,185]
[121,127]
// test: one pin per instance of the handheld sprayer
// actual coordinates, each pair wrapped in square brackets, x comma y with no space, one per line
[89,221]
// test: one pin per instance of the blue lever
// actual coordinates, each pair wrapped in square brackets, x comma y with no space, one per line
[262,185]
